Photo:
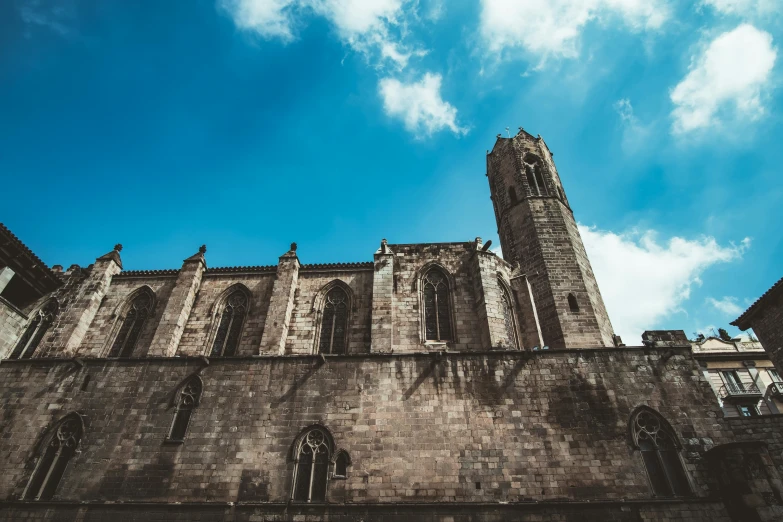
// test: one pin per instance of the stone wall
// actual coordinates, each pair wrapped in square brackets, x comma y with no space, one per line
[204,316]
[768,429]
[305,316]
[98,339]
[409,263]
[487,427]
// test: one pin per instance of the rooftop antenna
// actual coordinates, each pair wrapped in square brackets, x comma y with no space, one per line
[508,133]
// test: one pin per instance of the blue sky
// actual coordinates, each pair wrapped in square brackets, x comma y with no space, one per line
[249,124]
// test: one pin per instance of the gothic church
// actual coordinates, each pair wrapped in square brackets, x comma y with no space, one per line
[436,382]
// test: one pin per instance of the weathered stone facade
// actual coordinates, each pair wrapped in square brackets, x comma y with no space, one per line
[443,383]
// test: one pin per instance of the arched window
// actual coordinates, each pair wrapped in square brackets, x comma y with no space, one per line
[572,304]
[507,308]
[188,400]
[139,310]
[437,306]
[313,456]
[658,445]
[535,176]
[230,327]
[512,195]
[31,338]
[58,450]
[334,322]
[341,463]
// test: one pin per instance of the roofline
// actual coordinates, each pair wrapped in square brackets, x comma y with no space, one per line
[54,281]
[743,321]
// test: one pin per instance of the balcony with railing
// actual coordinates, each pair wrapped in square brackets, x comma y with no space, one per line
[739,392]
[775,390]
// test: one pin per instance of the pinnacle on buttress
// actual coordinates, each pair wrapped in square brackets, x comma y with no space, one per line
[198,256]
[384,248]
[114,255]
[291,252]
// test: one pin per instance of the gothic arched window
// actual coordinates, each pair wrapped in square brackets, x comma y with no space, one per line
[658,445]
[60,447]
[437,306]
[188,400]
[535,176]
[230,327]
[334,322]
[139,310]
[313,456]
[507,308]
[35,331]
[573,305]
[341,463]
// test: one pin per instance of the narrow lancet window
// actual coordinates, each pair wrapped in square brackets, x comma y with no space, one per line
[313,456]
[539,180]
[341,463]
[35,331]
[334,322]
[507,307]
[512,195]
[535,175]
[137,314]
[573,305]
[230,328]
[531,179]
[659,449]
[59,449]
[189,398]
[437,306]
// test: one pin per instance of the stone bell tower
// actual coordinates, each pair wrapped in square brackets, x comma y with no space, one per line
[537,230]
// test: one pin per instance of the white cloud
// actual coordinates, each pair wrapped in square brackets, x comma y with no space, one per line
[419,105]
[60,17]
[368,27]
[728,305]
[743,7]
[635,134]
[268,18]
[732,72]
[553,28]
[354,18]
[643,280]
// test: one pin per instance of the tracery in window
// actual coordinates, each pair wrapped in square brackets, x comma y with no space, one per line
[133,322]
[188,400]
[229,329]
[334,322]
[33,334]
[507,307]
[437,306]
[313,455]
[59,449]
[659,449]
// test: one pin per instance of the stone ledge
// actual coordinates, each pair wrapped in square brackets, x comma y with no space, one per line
[543,504]
[326,358]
